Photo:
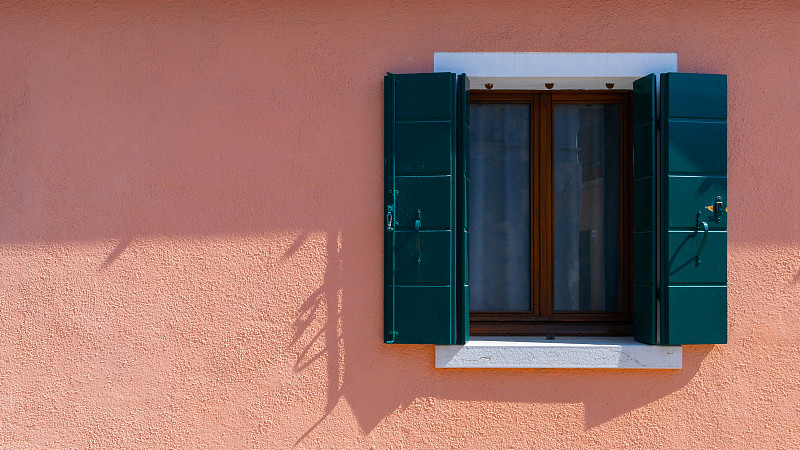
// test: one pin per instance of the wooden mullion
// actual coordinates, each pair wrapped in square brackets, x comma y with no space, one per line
[588,315]
[543,328]
[500,97]
[488,316]
[589,97]
[558,316]
[546,297]
[535,169]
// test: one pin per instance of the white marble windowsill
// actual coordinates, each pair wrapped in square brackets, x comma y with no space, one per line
[561,353]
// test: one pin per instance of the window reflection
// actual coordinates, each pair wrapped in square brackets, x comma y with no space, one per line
[499,207]
[586,207]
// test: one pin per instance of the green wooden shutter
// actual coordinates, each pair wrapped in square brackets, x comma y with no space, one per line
[423,301]
[644,210]
[462,298]
[693,176]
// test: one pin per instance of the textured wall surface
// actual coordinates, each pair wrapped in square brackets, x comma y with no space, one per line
[191,248]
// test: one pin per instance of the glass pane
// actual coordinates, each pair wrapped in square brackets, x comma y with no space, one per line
[499,207]
[586,207]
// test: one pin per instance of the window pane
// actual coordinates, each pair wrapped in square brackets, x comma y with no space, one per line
[586,207]
[499,207]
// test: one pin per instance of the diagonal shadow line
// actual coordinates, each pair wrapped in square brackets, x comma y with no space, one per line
[306,315]
[677,251]
[307,349]
[302,362]
[679,268]
[314,426]
[295,246]
[118,249]
[298,366]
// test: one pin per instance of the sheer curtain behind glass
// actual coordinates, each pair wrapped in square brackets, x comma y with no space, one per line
[586,207]
[499,207]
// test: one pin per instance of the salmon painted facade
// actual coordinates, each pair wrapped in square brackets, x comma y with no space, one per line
[193,225]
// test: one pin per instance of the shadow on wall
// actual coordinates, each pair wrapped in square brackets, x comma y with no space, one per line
[377,380]
[325,303]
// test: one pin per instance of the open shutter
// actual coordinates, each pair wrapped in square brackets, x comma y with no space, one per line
[462,274]
[422,122]
[693,218]
[644,210]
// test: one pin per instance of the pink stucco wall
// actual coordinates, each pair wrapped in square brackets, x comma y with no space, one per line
[190,239]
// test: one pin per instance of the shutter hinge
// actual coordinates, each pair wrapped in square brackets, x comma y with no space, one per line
[390,222]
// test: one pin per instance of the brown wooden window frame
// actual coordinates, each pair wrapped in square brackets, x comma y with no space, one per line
[542,319]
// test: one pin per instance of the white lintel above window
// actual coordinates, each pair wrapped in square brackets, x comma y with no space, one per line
[565,70]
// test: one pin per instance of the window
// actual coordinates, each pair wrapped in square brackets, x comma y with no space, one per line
[670,195]
[549,213]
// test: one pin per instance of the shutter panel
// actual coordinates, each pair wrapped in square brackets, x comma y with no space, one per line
[421,300]
[693,218]
[462,256]
[644,209]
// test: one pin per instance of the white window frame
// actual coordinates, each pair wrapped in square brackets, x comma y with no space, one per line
[536,71]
